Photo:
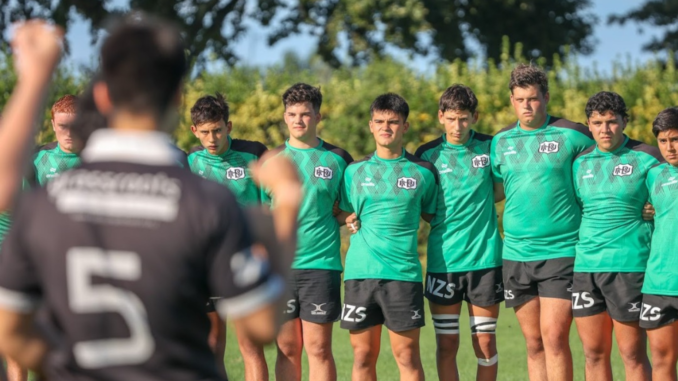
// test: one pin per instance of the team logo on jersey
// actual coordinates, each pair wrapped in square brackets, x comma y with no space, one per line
[481,161]
[588,174]
[549,147]
[235,173]
[52,169]
[672,180]
[318,309]
[444,168]
[323,173]
[510,151]
[368,182]
[415,314]
[634,307]
[407,183]
[623,170]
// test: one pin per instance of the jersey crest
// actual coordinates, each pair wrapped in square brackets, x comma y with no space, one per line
[623,170]
[407,183]
[549,147]
[324,173]
[235,173]
[481,161]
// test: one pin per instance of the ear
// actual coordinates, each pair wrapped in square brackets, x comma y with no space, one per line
[229,127]
[547,97]
[626,122]
[588,124]
[406,127]
[53,125]
[475,117]
[102,98]
[318,117]
[371,129]
[440,116]
[194,130]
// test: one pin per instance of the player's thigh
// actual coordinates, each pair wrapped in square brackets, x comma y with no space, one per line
[664,341]
[405,344]
[556,318]
[519,287]
[366,344]
[445,318]
[317,337]
[290,340]
[361,310]
[402,304]
[529,318]
[319,293]
[631,339]
[623,296]
[587,296]
[595,332]
[554,277]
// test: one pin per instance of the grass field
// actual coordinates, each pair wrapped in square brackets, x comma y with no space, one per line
[511,346]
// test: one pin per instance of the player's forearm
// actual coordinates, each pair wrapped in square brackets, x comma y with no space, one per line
[17,130]
[341,217]
[20,340]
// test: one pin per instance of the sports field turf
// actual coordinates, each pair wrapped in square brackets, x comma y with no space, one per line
[512,355]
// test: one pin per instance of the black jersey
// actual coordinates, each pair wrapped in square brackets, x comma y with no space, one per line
[122,254]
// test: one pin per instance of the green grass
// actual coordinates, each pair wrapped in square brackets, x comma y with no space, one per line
[511,347]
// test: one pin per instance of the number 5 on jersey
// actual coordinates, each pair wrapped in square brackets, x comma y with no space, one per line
[88,298]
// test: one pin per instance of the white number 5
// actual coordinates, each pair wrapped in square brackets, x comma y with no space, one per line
[85,297]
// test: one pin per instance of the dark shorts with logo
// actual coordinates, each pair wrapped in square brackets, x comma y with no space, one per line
[549,278]
[313,295]
[658,310]
[397,304]
[210,305]
[481,288]
[617,293]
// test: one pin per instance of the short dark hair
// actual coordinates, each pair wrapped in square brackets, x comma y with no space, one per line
[143,62]
[605,101]
[301,93]
[458,97]
[209,109]
[87,117]
[525,75]
[666,120]
[391,102]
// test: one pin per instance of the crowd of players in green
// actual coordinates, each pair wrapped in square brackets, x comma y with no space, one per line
[579,241]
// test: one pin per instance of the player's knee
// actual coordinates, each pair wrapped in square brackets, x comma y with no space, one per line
[289,348]
[408,357]
[448,344]
[535,346]
[556,338]
[633,354]
[596,353]
[319,349]
[663,354]
[365,356]
[484,346]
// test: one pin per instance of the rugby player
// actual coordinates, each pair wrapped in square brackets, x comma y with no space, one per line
[614,241]
[659,310]
[388,190]
[134,244]
[227,161]
[315,279]
[533,158]
[464,246]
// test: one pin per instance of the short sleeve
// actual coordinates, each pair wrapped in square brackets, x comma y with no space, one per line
[429,202]
[20,288]
[243,281]
[581,141]
[344,194]
[494,163]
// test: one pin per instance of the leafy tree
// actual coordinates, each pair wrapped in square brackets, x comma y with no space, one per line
[661,13]
[441,27]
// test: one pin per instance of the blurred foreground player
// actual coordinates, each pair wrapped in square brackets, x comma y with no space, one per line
[136,243]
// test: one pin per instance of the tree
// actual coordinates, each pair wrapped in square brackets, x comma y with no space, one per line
[209,26]
[661,13]
[441,27]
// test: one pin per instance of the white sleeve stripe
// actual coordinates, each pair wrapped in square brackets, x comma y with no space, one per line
[251,301]
[17,301]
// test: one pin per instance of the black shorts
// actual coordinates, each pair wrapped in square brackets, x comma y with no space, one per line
[549,278]
[210,306]
[368,302]
[481,288]
[313,295]
[658,311]
[617,293]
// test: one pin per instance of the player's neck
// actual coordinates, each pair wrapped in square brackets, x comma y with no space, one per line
[304,143]
[389,153]
[127,121]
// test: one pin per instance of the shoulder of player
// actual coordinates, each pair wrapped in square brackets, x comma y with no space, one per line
[585,152]
[44,148]
[569,125]
[638,146]
[248,146]
[433,144]
[354,165]
[506,129]
[342,153]
[423,164]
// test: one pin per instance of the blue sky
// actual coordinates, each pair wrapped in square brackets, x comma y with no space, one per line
[614,42]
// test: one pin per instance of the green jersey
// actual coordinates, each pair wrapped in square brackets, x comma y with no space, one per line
[661,275]
[541,215]
[464,234]
[50,161]
[231,168]
[610,186]
[388,196]
[322,172]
